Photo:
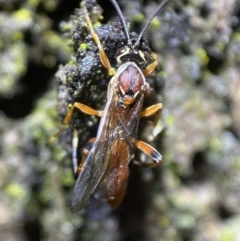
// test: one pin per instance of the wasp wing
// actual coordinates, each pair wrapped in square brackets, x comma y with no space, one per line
[116,123]
[95,164]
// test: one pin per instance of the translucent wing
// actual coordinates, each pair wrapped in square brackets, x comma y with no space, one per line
[116,123]
[94,166]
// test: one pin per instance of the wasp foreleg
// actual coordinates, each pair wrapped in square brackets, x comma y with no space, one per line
[103,56]
[151,67]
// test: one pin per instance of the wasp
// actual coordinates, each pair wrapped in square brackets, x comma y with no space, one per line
[104,168]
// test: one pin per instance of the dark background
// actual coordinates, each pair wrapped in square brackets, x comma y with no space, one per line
[193,195]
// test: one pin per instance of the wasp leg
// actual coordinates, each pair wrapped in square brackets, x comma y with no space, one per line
[103,56]
[157,108]
[86,149]
[149,69]
[151,152]
[152,110]
[84,108]
[75,151]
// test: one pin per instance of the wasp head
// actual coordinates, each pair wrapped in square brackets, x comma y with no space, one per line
[130,54]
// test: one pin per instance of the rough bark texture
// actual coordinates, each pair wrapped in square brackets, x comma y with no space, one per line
[193,195]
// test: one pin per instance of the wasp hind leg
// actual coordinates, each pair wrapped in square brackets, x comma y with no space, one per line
[151,152]
[143,146]
[78,167]
[103,56]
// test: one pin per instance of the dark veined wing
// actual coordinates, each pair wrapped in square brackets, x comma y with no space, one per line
[93,169]
[95,164]
[115,123]
[113,186]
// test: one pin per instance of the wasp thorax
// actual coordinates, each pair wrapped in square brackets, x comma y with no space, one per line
[131,82]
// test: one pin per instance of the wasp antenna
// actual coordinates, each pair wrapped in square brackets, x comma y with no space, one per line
[150,20]
[115,4]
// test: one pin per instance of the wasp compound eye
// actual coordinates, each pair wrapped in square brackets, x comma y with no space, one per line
[122,51]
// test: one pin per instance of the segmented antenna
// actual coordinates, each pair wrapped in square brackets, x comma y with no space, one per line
[150,20]
[115,4]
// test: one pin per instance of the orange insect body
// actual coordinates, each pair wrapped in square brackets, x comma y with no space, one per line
[104,168]
[116,177]
[110,154]
[126,86]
